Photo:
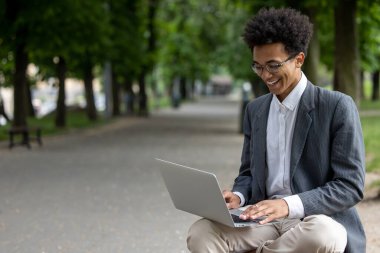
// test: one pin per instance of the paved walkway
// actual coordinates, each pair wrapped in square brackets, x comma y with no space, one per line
[100,190]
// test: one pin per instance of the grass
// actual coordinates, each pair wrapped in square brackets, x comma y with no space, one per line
[369,105]
[75,120]
[371,133]
[157,103]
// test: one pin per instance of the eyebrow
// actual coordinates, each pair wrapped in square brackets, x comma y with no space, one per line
[270,61]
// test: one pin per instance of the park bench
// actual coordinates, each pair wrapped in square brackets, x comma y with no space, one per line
[27,134]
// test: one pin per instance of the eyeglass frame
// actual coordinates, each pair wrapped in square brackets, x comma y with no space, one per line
[266,66]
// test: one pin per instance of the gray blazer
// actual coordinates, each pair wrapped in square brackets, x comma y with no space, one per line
[327,167]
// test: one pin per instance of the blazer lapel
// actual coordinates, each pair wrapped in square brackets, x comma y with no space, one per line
[302,126]
[260,143]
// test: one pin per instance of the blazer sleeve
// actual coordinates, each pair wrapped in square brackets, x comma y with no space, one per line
[242,183]
[347,164]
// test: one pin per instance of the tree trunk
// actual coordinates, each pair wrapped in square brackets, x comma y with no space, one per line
[311,64]
[192,89]
[129,97]
[60,117]
[115,95]
[346,69]
[88,77]
[183,88]
[29,99]
[143,99]
[155,92]
[361,84]
[175,94]
[20,82]
[375,83]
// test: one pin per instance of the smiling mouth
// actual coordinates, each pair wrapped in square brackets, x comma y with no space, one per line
[273,82]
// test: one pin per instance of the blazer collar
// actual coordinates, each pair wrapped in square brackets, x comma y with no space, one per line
[260,143]
[302,126]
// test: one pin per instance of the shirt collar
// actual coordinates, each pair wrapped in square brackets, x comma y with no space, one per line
[292,100]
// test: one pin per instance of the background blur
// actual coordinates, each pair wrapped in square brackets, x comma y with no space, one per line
[67,65]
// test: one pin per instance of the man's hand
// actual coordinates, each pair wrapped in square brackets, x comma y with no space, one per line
[232,200]
[273,209]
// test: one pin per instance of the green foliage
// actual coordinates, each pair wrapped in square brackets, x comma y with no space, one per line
[195,38]
[47,43]
[190,33]
[91,36]
[6,66]
[325,20]
[369,30]
[126,52]
[74,30]
[234,54]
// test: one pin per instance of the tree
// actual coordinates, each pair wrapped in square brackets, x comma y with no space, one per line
[150,51]
[346,64]
[189,43]
[369,23]
[52,44]
[93,42]
[375,82]
[16,22]
[237,54]
[312,61]
[127,53]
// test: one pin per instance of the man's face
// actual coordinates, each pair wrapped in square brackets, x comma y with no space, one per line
[286,77]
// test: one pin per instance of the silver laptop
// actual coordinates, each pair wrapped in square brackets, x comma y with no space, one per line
[198,192]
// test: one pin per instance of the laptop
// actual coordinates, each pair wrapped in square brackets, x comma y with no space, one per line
[198,192]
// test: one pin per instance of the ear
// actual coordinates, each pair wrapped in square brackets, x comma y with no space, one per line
[300,58]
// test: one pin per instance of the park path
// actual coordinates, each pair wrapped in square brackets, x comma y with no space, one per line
[99,190]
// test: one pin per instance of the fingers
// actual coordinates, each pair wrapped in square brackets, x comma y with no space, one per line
[269,210]
[232,200]
[258,211]
[226,193]
[253,212]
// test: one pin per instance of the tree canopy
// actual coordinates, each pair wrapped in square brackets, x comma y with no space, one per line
[170,42]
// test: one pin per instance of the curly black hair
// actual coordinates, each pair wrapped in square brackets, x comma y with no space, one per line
[284,25]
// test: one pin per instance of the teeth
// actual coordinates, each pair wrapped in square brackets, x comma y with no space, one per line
[271,83]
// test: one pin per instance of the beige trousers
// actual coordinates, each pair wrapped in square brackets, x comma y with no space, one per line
[315,234]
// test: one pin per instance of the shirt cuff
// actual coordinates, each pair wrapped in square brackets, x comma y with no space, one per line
[296,208]
[242,199]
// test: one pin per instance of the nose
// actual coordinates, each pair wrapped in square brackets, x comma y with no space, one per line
[265,74]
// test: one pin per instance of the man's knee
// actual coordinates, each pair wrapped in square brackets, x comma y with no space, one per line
[325,233]
[201,235]
[198,229]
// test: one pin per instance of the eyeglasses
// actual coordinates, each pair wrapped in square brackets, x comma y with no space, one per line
[272,67]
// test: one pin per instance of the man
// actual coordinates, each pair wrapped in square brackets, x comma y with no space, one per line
[303,155]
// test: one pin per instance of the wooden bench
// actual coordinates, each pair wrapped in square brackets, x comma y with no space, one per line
[28,134]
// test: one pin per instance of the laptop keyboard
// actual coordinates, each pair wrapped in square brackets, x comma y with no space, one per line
[236,219]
